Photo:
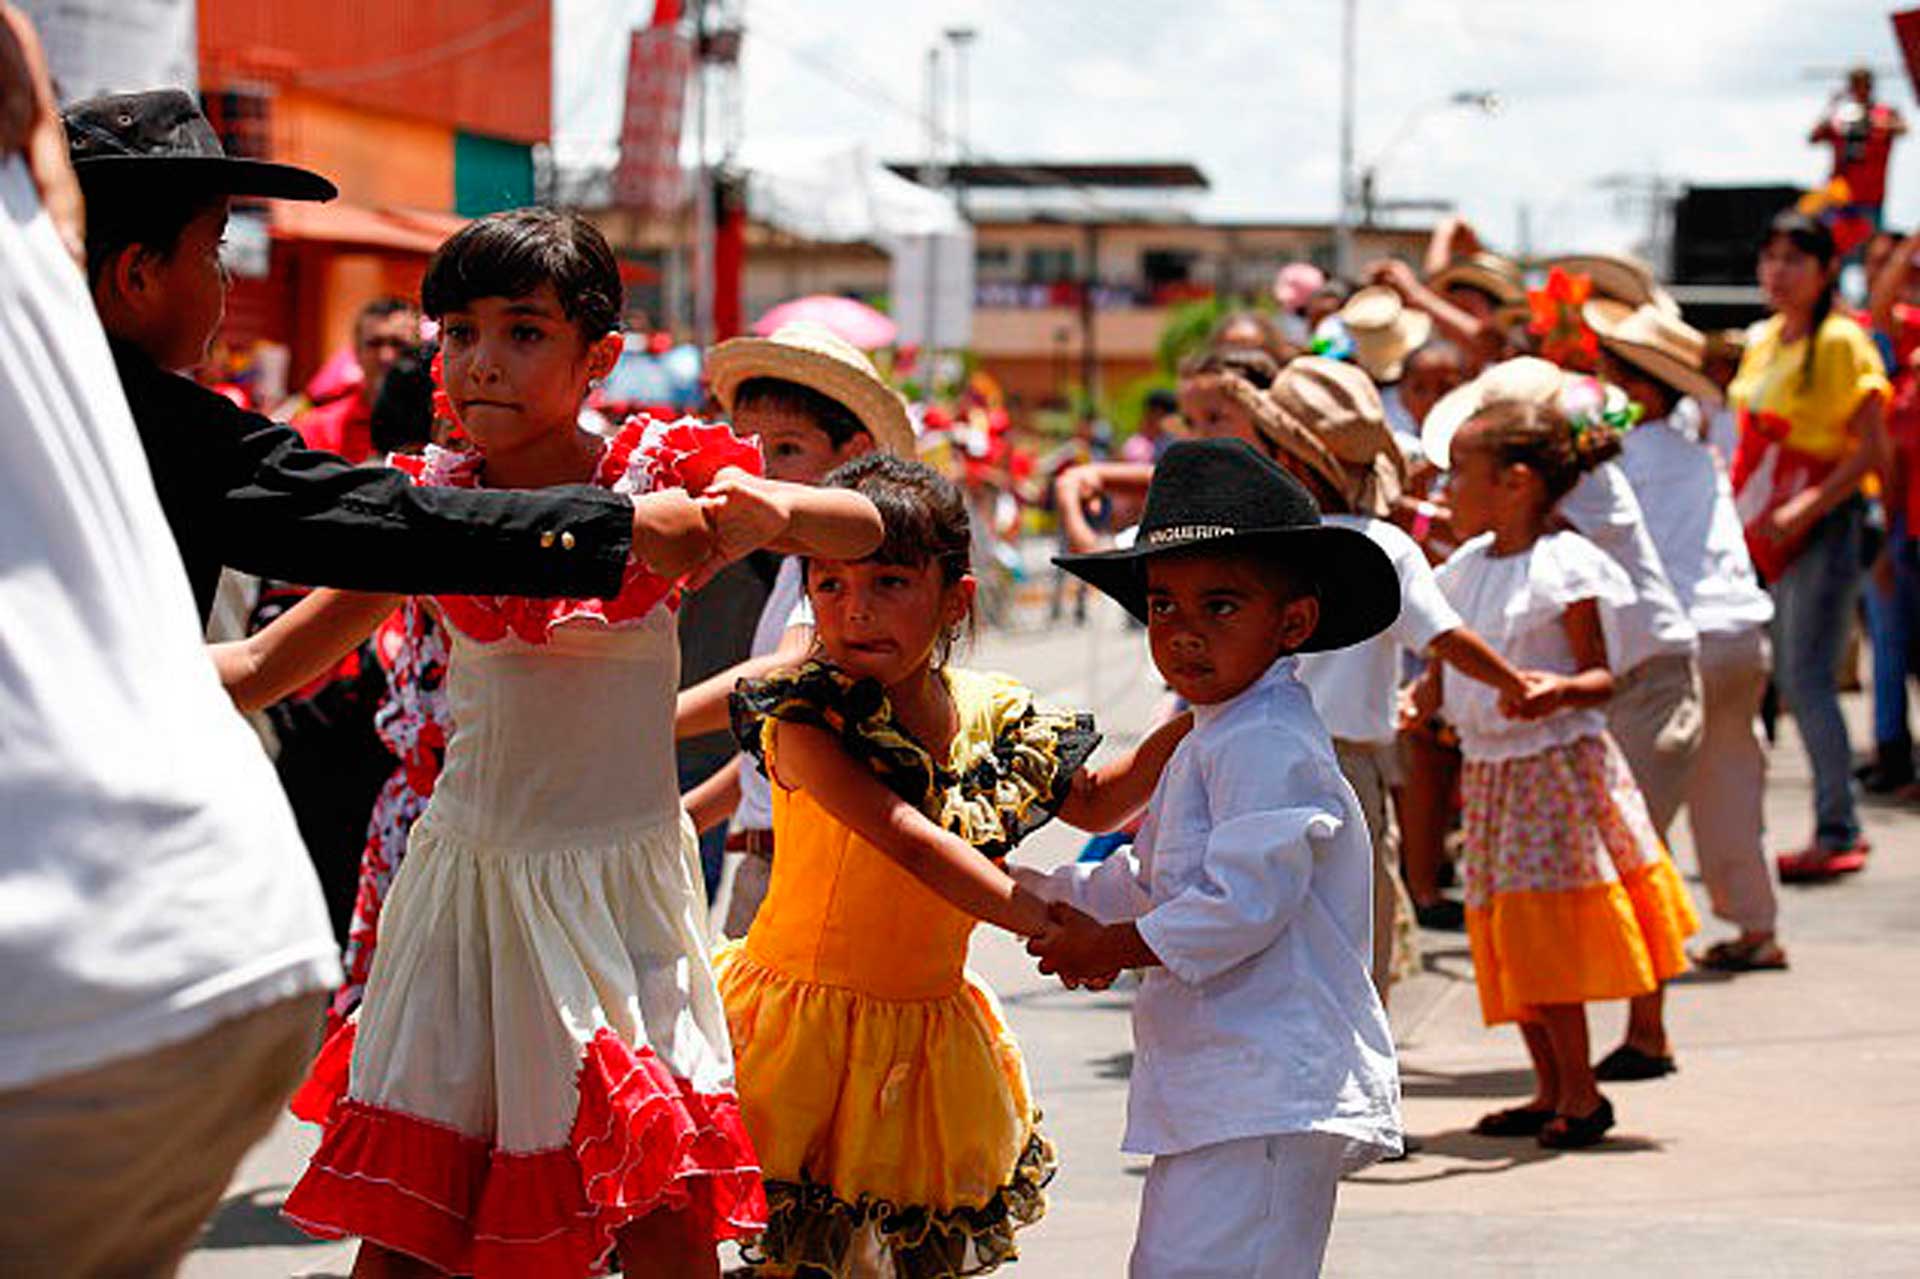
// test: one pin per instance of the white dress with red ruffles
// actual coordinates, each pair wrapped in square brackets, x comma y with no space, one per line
[542,1055]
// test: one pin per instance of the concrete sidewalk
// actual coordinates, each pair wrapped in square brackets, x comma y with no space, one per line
[1788,1144]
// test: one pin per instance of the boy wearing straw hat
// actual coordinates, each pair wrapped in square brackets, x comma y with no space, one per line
[815,401]
[1656,359]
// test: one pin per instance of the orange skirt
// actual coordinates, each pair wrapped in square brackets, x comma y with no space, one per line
[1571,896]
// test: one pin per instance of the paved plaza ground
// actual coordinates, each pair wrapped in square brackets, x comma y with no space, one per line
[1788,1144]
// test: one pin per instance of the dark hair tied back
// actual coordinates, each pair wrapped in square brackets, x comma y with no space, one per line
[1814,238]
[923,515]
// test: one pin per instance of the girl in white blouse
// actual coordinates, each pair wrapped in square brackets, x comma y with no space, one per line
[1570,896]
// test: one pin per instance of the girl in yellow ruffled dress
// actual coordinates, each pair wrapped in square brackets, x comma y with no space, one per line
[878,1078]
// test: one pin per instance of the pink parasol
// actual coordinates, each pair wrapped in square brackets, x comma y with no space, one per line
[854,321]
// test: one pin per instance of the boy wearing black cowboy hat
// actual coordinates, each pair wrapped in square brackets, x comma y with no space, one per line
[1264,1066]
[238,489]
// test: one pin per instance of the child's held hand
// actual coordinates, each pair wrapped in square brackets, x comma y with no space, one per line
[671,532]
[1541,694]
[1073,947]
[743,513]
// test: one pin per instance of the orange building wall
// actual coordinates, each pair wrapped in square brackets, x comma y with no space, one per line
[374,158]
[481,65]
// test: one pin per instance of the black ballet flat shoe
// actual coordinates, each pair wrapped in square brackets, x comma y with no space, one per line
[1626,1064]
[1443,916]
[1520,1121]
[1577,1132]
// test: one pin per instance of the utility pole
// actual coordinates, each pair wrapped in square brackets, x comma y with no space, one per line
[703,188]
[933,177]
[1089,281]
[960,38]
[1343,225]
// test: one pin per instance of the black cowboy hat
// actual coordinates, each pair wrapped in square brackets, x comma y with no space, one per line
[160,136]
[1222,494]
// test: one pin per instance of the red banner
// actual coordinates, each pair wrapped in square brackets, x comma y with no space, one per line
[1906,30]
[648,176]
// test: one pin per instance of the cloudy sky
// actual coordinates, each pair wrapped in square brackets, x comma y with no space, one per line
[1686,90]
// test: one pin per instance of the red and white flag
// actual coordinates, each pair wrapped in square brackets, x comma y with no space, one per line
[648,176]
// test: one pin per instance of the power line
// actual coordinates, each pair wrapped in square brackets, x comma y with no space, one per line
[420,60]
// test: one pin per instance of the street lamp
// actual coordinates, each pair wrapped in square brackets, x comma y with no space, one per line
[1485,101]
[960,38]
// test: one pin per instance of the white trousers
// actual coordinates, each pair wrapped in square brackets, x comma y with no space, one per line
[1255,1208]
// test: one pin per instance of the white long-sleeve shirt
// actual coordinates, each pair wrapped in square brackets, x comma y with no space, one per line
[1251,879]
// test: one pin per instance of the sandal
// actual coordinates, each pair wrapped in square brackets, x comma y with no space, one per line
[1520,1121]
[1577,1132]
[1627,1063]
[1736,955]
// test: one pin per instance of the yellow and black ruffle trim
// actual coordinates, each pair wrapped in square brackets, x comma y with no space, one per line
[1006,790]
[815,1231]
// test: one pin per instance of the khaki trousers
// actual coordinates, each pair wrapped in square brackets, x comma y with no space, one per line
[1724,793]
[1396,946]
[1656,717]
[110,1173]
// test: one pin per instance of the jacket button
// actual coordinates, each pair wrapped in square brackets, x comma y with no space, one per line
[566,541]
[546,540]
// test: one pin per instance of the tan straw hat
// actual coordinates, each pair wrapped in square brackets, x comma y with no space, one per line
[1497,277]
[821,360]
[1663,346]
[1526,378]
[1384,331]
[1616,276]
[1330,417]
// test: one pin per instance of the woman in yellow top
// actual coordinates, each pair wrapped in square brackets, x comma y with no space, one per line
[879,1082]
[1810,398]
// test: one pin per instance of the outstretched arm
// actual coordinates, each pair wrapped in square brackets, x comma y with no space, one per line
[1464,650]
[703,708]
[299,646]
[30,124]
[1105,796]
[747,512]
[713,800]
[809,759]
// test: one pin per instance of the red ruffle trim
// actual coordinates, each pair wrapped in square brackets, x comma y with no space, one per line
[642,1141]
[645,456]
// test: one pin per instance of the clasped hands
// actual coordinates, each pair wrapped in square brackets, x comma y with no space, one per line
[694,536]
[1077,948]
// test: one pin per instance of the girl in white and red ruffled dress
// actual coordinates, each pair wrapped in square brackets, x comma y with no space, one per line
[539,1075]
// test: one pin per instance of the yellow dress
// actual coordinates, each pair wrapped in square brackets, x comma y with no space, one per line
[878,1078]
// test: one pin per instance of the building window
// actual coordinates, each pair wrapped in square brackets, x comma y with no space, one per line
[993,261]
[1050,266]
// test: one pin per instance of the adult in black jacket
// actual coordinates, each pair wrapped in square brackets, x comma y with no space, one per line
[237,488]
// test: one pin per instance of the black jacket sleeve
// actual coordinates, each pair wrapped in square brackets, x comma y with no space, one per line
[239,489]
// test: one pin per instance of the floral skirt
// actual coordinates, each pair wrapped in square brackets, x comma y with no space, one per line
[397,808]
[541,1059]
[910,1119]
[1571,897]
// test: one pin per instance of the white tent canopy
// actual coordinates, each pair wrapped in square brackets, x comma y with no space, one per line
[843,195]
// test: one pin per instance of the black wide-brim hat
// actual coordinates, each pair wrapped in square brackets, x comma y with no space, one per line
[1223,495]
[160,138]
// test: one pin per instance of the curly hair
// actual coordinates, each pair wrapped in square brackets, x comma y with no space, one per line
[1542,438]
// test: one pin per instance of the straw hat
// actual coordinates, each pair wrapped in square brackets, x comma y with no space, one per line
[1497,277]
[1526,378]
[1615,276]
[1329,416]
[1661,345]
[823,361]
[1384,331]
